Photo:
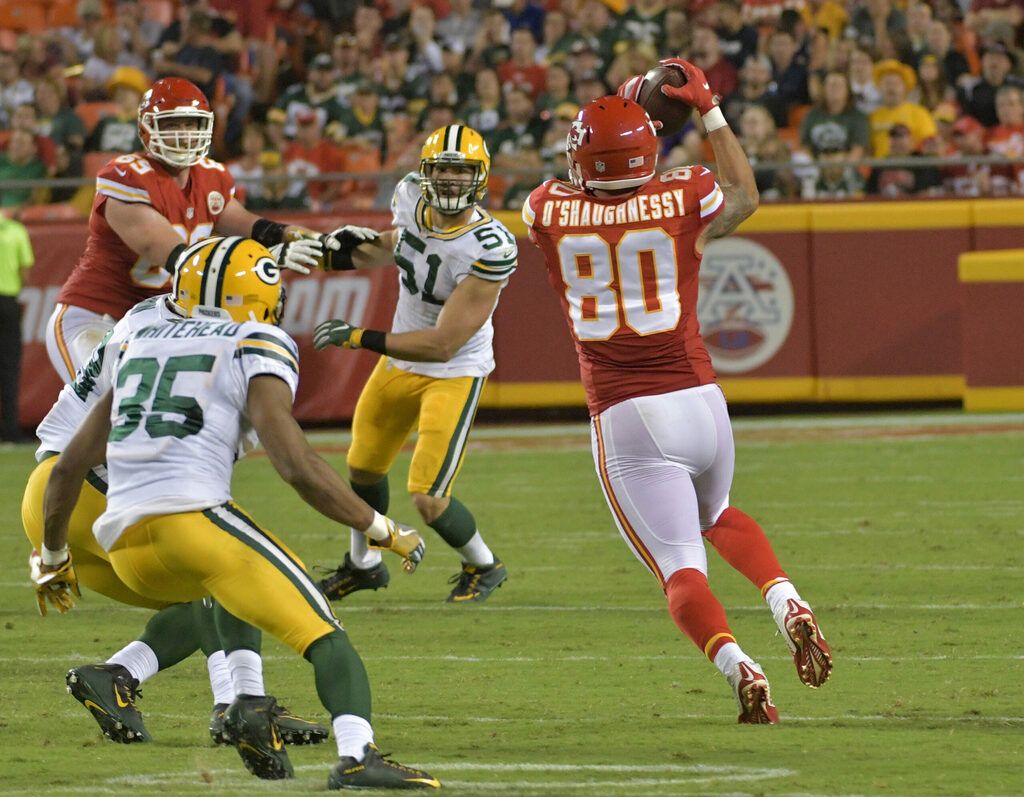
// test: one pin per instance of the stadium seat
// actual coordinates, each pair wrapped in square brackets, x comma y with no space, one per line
[62,14]
[92,162]
[91,112]
[161,11]
[25,16]
[59,212]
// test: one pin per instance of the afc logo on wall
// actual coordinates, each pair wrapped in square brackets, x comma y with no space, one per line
[745,305]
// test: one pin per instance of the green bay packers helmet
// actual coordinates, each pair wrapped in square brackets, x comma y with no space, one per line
[454,145]
[234,279]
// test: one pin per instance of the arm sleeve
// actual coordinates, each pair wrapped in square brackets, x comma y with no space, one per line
[125,181]
[25,255]
[710,195]
[266,349]
[497,263]
[404,201]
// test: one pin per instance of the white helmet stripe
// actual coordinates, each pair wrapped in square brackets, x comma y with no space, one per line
[451,138]
[212,280]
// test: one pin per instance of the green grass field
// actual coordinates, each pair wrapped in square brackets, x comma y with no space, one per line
[905,532]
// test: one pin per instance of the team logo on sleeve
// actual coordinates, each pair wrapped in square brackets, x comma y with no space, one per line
[745,306]
[215,202]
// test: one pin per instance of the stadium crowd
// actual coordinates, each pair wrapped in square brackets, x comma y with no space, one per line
[303,88]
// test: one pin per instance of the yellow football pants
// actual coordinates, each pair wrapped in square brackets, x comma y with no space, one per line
[223,553]
[392,403]
[92,563]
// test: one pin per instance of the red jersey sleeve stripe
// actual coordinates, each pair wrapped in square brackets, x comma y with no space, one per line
[126,193]
[712,202]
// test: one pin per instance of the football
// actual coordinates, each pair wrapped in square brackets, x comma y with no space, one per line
[671,113]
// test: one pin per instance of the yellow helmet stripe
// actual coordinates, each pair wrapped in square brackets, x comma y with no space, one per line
[212,285]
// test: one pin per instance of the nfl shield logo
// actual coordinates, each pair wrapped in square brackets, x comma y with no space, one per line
[599,165]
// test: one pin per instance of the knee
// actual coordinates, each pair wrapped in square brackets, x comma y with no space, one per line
[683,588]
[429,507]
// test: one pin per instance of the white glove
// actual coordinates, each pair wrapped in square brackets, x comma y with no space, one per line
[351,235]
[301,255]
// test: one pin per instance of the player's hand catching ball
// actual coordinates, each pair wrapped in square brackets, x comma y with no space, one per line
[695,92]
[336,332]
[54,584]
[301,255]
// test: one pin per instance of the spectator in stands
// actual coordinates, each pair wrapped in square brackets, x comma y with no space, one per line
[139,33]
[318,94]
[762,144]
[903,180]
[279,193]
[368,25]
[347,66]
[459,28]
[826,15]
[485,109]
[644,21]
[689,150]
[442,90]
[248,169]
[967,179]
[738,39]
[454,65]
[25,118]
[590,88]
[64,128]
[363,123]
[834,123]
[706,54]
[394,90]
[835,179]
[557,89]
[895,80]
[426,50]
[194,57]
[120,132]
[397,19]
[403,146]
[14,90]
[875,23]
[945,114]
[517,142]
[223,36]
[108,54]
[632,58]
[82,37]
[437,117]
[522,69]
[584,61]
[755,79]
[16,258]
[866,95]
[525,14]
[490,47]
[557,39]
[914,41]
[677,32]
[594,27]
[978,96]
[20,162]
[932,89]
[789,73]
[1007,139]
[952,63]
[310,155]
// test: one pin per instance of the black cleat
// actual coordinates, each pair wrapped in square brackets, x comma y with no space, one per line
[249,723]
[109,692]
[475,583]
[294,729]
[375,771]
[348,579]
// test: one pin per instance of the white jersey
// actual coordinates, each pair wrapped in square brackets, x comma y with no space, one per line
[179,413]
[93,380]
[431,265]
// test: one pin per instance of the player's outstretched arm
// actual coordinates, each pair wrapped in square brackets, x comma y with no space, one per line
[143,229]
[269,405]
[464,312]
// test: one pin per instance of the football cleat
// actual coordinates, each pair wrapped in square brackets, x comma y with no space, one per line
[109,692]
[249,723]
[348,578]
[811,653]
[294,729]
[475,583]
[753,695]
[376,771]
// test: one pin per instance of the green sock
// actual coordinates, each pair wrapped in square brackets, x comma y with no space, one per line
[172,634]
[206,627]
[235,634]
[456,524]
[377,495]
[341,680]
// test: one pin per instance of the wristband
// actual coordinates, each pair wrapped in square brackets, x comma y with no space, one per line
[172,259]
[714,119]
[267,232]
[374,340]
[338,261]
[379,529]
[52,558]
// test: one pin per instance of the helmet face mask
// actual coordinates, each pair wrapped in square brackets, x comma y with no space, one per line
[232,279]
[176,123]
[454,167]
[611,146]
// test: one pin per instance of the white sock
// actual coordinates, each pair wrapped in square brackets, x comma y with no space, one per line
[778,594]
[728,658]
[220,678]
[246,668]
[352,734]
[360,553]
[138,658]
[476,552]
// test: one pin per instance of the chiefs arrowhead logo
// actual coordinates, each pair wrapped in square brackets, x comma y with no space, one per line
[577,134]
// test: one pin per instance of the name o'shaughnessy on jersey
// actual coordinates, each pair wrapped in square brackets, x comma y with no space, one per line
[179,413]
[93,379]
[431,265]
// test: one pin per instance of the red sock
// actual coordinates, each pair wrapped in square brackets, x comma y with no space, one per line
[742,543]
[697,612]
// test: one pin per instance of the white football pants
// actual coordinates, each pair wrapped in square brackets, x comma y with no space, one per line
[71,335]
[665,463]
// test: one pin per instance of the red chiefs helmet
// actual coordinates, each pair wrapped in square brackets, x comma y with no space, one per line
[170,102]
[611,145]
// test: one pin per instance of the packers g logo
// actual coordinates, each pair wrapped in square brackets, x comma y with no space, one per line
[267,270]
[577,132]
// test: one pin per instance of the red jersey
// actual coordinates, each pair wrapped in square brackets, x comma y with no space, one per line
[1008,141]
[626,269]
[111,278]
